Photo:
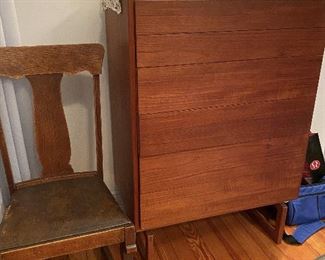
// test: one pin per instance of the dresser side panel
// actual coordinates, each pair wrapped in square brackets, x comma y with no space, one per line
[123,102]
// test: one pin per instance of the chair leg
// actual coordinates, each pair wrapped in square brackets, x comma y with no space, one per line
[145,241]
[129,247]
[124,255]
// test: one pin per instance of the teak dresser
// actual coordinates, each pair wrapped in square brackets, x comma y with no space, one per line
[211,103]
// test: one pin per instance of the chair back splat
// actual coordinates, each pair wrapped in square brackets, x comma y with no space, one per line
[51,130]
[44,67]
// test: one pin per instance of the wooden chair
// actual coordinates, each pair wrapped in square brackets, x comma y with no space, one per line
[62,212]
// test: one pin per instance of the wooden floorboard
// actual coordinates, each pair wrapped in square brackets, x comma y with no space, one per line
[233,236]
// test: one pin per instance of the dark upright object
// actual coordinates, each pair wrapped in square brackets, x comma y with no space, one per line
[315,158]
[62,212]
[212,101]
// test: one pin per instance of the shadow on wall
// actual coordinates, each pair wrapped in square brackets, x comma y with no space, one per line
[4,191]
[77,98]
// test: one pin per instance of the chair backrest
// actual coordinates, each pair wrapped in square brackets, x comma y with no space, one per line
[44,67]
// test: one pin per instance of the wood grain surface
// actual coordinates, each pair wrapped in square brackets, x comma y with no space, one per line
[163,89]
[161,17]
[183,48]
[179,187]
[17,62]
[124,103]
[62,216]
[98,127]
[96,254]
[223,81]
[51,130]
[225,125]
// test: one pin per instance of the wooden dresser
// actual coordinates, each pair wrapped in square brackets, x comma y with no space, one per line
[211,103]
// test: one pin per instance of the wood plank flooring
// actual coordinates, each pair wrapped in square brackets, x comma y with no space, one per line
[233,236]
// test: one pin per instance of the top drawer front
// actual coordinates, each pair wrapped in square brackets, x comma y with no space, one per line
[161,17]
[191,32]
[212,47]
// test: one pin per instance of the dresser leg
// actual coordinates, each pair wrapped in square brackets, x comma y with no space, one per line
[274,228]
[145,242]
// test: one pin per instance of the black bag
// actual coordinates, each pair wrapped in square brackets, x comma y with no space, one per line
[315,159]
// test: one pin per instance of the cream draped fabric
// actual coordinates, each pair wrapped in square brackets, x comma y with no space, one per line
[9,113]
[114,5]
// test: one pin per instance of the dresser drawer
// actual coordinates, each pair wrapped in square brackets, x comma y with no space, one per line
[188,32]
[218,126]
[209,47]
[163,17]
[207,105]
[179,88]
[197,184]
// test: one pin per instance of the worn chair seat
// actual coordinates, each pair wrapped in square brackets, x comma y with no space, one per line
[57,210]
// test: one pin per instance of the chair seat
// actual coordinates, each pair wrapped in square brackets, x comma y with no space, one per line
[57,210]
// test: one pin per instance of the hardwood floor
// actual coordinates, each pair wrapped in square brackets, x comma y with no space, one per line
[233,236]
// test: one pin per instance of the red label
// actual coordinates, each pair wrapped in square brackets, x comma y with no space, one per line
[314,165]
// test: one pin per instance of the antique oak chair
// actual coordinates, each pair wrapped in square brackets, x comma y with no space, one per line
[62,212]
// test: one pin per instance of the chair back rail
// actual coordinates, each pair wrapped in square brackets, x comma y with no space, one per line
[17,62]
[44,67]
[98,127]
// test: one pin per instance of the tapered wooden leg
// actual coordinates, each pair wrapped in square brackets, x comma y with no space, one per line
[129,248]
[150,245]
[124,255]
[145,242]
[282,211]
[130,240]
[274,230]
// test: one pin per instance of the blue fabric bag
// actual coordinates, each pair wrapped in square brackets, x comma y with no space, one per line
[306,211]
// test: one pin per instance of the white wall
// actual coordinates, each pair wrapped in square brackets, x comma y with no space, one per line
[318,124]
[64,22]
